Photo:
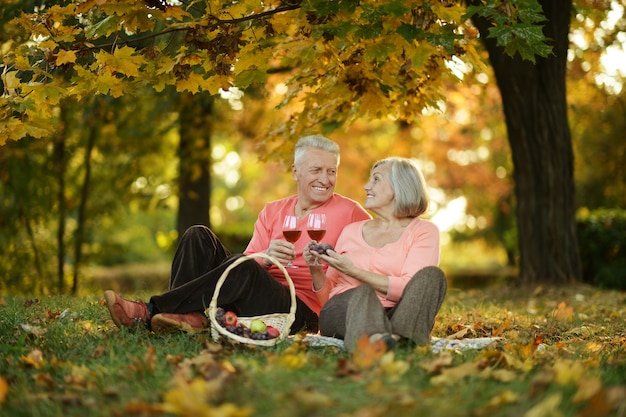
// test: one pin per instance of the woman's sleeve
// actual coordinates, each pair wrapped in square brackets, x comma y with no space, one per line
[423,251]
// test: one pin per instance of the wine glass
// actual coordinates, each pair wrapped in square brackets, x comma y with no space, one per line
[292,233]
[316,228]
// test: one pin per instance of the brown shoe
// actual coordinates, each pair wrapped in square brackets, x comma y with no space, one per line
[169,322]
[125,312]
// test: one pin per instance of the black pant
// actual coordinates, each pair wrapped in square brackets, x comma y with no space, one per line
[249,289]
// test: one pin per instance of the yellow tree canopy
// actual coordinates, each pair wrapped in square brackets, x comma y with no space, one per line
[344,59]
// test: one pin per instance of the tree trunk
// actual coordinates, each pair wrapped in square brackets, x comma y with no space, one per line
[93,121]
[195,115]
[59,166]
[535,109]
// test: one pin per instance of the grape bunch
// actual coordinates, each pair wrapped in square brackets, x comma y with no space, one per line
[219,316]
[320,248]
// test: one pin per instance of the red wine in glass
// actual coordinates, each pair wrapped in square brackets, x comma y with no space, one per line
[292,233]
[292,236]
[316,228]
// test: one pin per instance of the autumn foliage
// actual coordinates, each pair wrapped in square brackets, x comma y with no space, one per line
[344,60]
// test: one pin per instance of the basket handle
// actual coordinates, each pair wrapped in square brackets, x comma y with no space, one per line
[241,259]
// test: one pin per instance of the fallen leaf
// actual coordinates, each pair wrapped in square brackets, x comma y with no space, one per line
[503,398]
[4,388]
[598,405]
[582,331]
[568,372]
[434,365]
[367,354]
[34,330]
[587,388]
[505,325]
[563,311]
[34,359]
[450,376]
[549,407]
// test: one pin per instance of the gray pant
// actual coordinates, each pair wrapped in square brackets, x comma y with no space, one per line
[358,311]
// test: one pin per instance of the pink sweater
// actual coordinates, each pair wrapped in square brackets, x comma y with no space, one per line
[417,248]
[339,210]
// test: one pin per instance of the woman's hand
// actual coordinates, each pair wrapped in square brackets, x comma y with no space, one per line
[310,255]
[340,262]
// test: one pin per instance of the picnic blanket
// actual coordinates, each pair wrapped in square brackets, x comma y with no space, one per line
[437,344]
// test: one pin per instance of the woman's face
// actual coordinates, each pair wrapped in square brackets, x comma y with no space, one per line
[379,191]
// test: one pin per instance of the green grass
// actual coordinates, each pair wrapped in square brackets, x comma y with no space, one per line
[562,353]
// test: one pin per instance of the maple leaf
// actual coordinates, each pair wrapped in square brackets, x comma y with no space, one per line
[367,354]
[505,325]
[176,13]
[65,57]
[563,311]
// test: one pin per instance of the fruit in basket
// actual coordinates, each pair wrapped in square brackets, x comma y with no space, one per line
[257,326]
[230,319]
[238,329]
[272,332]
[259,336]
[219,316]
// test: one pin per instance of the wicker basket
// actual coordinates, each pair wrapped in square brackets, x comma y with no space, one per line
[281,321]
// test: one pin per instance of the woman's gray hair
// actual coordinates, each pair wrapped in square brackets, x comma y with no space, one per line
[315,142]
[409,186]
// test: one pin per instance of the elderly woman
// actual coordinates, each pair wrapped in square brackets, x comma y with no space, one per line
[383,278]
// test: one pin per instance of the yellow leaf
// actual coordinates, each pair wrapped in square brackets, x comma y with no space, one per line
[503,398]
[453,13]
[34,358]
[191,83]
[127,62]
[588,387]
[109,84]
[214,83]
[549,407]
[505,325]
[176,13]
[66,57]
[293,360]
[594,347]
[568,371]
[10,80]
[22,63]
[451,376]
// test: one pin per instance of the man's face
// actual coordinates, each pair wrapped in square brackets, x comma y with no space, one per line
[316,175]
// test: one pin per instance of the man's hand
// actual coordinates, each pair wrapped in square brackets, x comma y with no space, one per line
[281,250]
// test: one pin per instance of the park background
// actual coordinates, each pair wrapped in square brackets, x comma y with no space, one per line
[101,201]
